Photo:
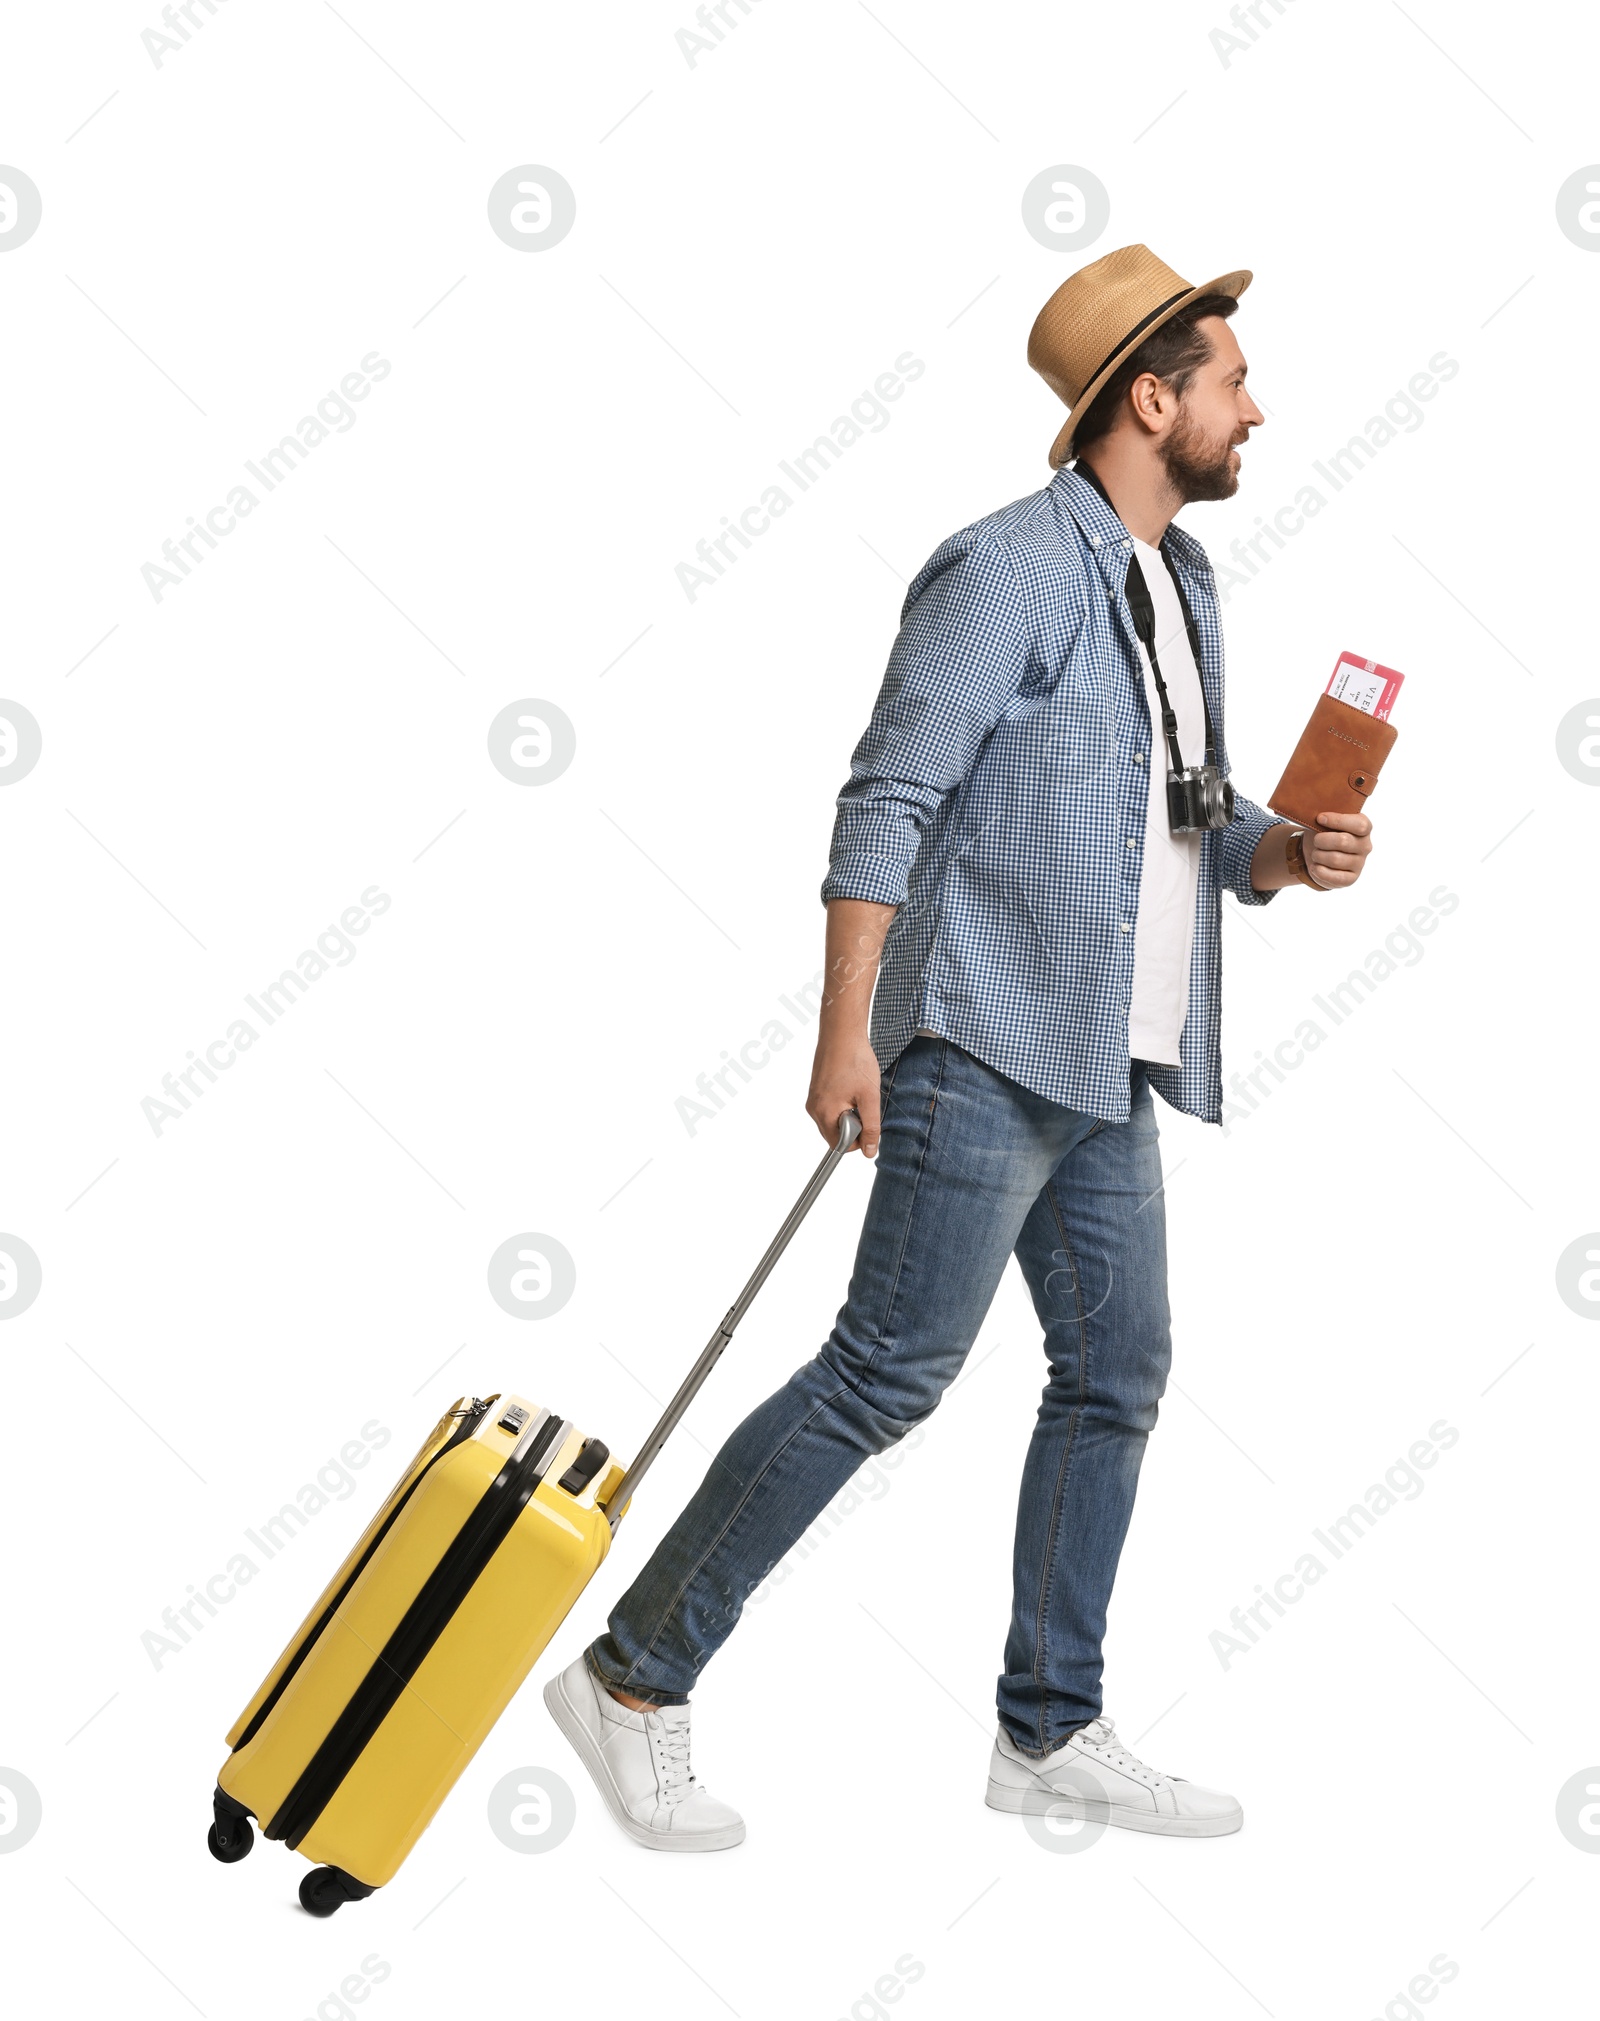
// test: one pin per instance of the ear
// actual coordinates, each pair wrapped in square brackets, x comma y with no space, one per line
[1151,400]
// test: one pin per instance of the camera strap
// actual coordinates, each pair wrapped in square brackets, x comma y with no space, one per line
[1144,623]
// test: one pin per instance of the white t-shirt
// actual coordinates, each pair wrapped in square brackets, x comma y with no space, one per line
[1163,934]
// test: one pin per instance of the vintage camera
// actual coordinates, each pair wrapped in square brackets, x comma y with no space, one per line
[1198,797]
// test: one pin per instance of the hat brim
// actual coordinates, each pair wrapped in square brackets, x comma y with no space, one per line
[1225,284]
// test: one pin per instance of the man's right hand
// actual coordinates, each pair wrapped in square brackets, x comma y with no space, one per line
[847,1077]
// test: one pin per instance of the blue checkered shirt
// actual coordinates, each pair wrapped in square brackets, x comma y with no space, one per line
[996,793]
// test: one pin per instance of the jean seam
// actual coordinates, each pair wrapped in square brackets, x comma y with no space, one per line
[1075,1417]
[911,1210]
[1077,1288]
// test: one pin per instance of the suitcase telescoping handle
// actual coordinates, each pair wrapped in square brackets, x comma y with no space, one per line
[849,1130]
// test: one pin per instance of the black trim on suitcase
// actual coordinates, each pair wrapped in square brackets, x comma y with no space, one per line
[419,1628]
[470,1420]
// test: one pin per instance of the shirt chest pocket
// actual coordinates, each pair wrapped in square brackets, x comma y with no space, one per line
[1066,711]
[1073,734]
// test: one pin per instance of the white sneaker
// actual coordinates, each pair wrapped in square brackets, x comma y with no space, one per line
[640,1765]
[1093,1776]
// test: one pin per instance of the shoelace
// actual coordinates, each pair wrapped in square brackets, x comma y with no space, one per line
[1101,1735]
[672,1758]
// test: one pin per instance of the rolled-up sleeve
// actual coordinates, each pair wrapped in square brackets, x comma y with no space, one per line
[959,659]
[1238,842]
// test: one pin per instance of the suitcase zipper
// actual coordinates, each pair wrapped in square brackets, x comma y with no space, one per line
[471,1417]
[423,1622]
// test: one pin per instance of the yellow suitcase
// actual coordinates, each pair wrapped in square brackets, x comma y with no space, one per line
[419,1641]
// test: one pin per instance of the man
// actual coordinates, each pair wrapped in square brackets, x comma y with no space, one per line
[1043,930]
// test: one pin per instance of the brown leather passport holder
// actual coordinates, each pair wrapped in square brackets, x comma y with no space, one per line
[1335,764]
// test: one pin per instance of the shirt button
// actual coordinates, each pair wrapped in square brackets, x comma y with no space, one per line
[1126,927]
[1138,757]
[1131,843]
[1093,542]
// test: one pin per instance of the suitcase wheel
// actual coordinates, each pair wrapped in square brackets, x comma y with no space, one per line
[231,1835]
[326,1889]
[234,1846]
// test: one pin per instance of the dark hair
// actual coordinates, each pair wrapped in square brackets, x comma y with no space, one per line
[1174,353]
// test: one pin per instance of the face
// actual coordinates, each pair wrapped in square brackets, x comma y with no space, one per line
[1200,450]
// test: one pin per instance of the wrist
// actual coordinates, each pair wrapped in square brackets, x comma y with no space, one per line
[1295,857]
[842,1034]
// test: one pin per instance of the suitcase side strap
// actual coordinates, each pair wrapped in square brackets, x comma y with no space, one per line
[418,1629]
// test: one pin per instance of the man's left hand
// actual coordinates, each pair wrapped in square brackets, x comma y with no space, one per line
[1336,848]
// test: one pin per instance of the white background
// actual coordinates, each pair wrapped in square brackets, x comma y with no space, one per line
[224,771]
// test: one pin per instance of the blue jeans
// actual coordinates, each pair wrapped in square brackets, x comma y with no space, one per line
[972,1168]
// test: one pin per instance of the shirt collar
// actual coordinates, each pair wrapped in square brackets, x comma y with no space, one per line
[1107,532]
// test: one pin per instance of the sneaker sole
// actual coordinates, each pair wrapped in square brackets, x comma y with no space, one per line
[1042,1803]
[566,1716]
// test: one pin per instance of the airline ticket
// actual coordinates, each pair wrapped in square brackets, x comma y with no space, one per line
[1364,685]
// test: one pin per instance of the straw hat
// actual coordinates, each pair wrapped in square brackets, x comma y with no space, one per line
[1098,316]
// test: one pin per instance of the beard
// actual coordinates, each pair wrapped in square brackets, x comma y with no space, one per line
[1197,467]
